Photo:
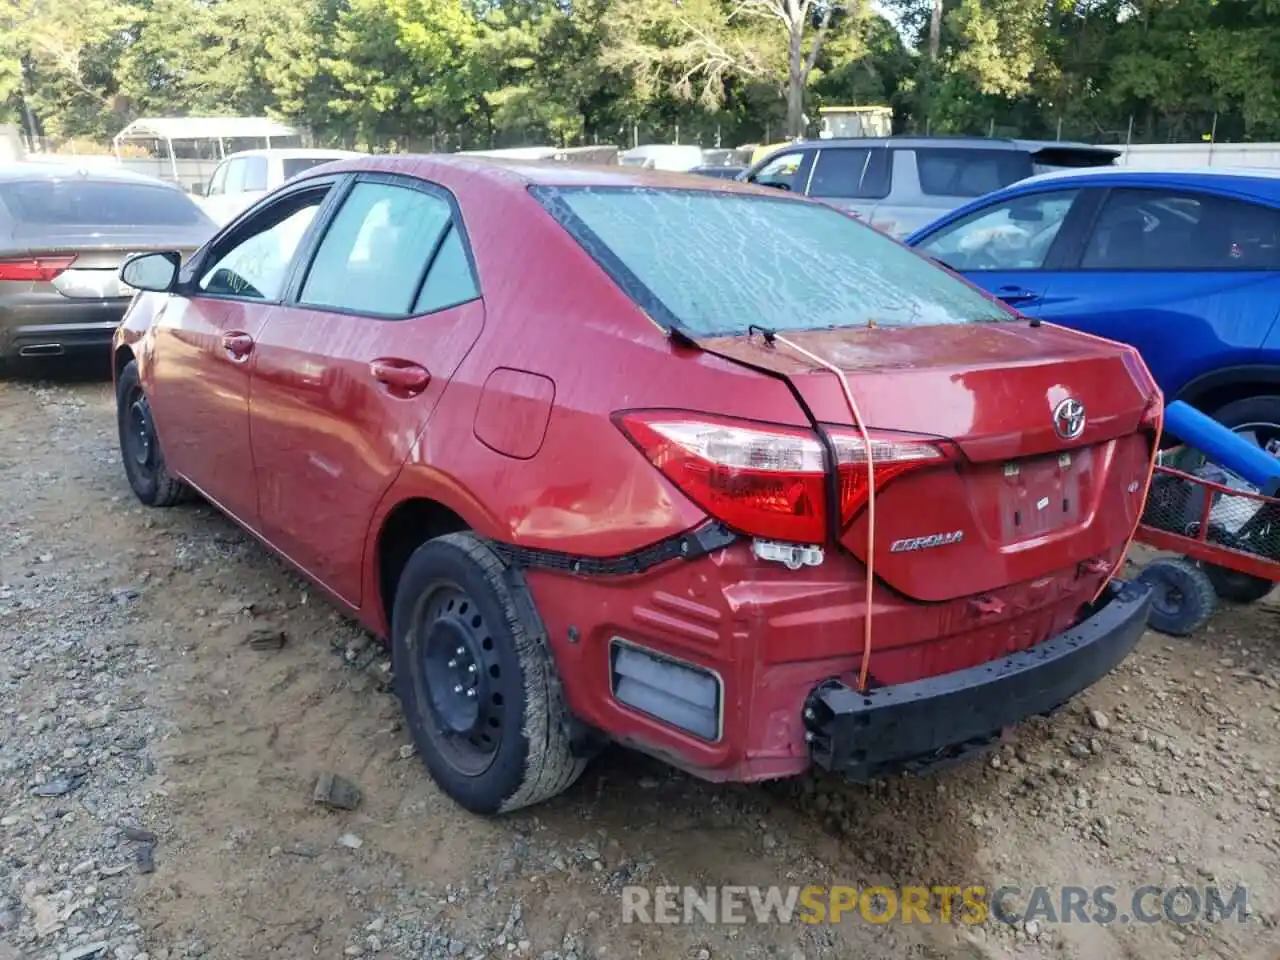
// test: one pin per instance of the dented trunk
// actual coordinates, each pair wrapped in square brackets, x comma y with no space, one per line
[1045,428]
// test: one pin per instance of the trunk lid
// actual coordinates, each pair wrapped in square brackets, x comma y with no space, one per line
[1019,500]
[99,254]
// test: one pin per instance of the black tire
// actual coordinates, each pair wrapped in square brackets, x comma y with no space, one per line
[140,445]
[1235,586]
[458,606]
[1184,599]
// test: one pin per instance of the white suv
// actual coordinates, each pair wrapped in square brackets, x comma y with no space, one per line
[243,177]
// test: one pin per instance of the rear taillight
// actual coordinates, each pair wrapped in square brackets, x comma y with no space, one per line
[892,455]
[34,269]
[768,481]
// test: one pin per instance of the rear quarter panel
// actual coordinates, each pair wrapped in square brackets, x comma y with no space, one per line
[552,313]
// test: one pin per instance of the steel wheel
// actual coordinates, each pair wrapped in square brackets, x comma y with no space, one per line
[459,668]
[140,448]
[140,433]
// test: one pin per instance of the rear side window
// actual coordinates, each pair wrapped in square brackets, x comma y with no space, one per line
[1168,230]
[296,165]
[98,203]
[783,263]
[854,173]
[449,281]
[374,256]
[956,172]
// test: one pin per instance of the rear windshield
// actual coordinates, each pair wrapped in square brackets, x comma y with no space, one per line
[715,263]
[295,165]
[97,203]
[958,172]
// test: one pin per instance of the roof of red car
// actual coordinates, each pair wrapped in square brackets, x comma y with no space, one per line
[521,173]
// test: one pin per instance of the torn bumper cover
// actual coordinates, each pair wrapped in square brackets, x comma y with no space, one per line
[927,723]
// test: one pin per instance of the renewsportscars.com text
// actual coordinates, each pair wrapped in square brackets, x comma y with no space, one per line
[973,904]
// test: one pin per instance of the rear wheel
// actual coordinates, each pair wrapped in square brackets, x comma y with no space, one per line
[478,686]
[1183,597]
[140,444]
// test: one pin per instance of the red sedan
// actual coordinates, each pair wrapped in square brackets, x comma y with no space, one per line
[591,449]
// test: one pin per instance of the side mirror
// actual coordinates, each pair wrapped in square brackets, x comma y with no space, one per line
[156,272]
[1026,214]
[197,189]
[775,184]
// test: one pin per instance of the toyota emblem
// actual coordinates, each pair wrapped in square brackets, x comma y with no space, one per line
[1068,418]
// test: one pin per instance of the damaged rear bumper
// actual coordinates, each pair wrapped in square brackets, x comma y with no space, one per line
[926,723]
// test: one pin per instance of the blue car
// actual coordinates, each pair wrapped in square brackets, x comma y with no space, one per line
[1184,265]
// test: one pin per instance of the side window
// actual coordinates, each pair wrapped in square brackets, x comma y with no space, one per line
[854,173]
[1167,230]
[255,173]
[256,266]
[235,176]
[1013,235]
[959,172]
[786,171]
[449,281]
[218,181]
[375,253]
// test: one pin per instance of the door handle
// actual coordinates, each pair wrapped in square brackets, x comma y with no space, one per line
[239,345]
[400,375]
[1016,295]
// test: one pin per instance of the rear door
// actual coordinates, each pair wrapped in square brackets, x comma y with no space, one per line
[931,181]
[1189,278]
[855,179]
[1011,247]
[347,373]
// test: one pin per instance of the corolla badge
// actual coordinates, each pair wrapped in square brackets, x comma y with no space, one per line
[1069,419]
[924,543]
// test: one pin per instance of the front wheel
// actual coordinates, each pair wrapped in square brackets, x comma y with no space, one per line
[1184,598]
[476,681]
[140,444]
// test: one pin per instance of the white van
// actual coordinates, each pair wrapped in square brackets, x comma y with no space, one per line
[663,156]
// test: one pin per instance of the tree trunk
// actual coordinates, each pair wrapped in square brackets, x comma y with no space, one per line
[935,30]
[795,81]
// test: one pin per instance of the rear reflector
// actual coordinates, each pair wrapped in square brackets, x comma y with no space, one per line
[34,269]
[678,693]
[769,481]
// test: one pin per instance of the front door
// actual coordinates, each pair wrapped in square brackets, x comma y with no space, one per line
[1190,279]
[348,371]
[1010,247]
[206,338]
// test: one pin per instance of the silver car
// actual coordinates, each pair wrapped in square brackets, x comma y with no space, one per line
[899,184]
[64,233]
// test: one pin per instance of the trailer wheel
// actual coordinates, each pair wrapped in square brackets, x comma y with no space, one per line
[1184,596]
[1236,586]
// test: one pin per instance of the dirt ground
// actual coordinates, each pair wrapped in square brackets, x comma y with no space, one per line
[156,776]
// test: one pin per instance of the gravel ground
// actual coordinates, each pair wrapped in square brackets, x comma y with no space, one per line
[157,769]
